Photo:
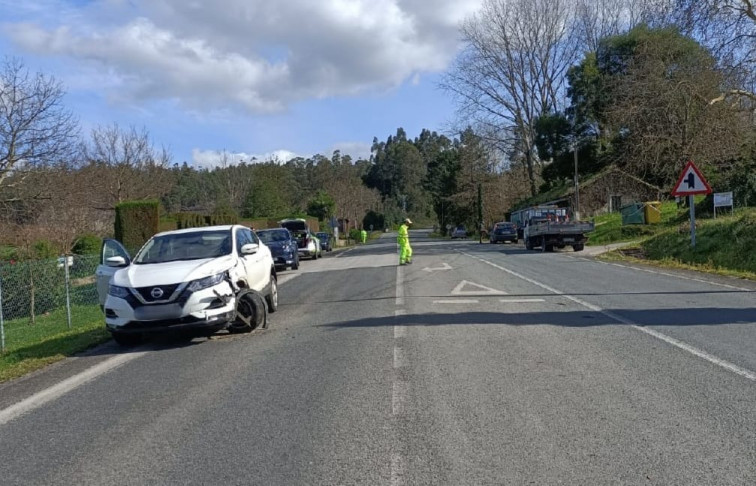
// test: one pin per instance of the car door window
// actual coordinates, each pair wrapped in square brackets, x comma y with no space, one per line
[242,238]
[112,248]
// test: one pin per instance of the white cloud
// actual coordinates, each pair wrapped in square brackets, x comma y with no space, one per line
[256,55]
[209,159]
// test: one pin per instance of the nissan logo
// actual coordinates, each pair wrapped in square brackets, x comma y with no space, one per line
[156,293]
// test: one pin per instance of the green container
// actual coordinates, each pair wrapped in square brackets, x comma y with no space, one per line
[633,214]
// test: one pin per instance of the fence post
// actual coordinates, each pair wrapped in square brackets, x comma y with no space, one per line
[68,291]
[2,321]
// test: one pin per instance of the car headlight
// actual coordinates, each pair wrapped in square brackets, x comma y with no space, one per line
[203,283]
[116,291]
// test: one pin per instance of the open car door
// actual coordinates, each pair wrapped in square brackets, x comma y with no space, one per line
[113,257]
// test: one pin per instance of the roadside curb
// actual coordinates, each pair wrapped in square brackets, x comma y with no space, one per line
[601,249]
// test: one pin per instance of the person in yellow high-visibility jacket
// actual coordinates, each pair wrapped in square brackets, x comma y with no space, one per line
[405,250]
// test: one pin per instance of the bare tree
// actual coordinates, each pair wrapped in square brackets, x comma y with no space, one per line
[728,28]
[234,180]
[35,128]
[513,68]
[123,164]
[598,19]
[352,199]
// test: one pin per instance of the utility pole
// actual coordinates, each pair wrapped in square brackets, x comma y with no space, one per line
[577,188]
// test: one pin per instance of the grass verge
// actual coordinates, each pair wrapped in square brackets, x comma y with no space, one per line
[609,228]
[724,246]
[31,347]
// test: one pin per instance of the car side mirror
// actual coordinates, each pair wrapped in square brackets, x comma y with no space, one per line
[250,249]
[116,261]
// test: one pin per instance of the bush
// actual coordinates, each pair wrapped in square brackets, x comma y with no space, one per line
[44,249]
[354,234]
[88,244]
[136,222]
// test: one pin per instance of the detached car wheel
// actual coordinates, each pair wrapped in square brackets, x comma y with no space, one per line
[251,312]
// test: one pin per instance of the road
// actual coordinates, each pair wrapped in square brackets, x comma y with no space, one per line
[478,364]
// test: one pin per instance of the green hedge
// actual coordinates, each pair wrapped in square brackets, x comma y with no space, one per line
[136,222]
[189,220]
[222,215]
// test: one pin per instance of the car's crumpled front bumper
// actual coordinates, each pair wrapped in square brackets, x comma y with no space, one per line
[210,308]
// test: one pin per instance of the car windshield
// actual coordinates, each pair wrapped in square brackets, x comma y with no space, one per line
[195,245]
[501,229]
[322,236]
[270,236]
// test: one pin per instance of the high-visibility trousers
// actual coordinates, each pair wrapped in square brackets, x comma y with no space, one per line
[405,252]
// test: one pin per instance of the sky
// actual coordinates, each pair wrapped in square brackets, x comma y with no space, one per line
[251,78]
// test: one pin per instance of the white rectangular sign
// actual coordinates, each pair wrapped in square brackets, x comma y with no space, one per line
[722,199]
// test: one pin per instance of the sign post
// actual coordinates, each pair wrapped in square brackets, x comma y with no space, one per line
[690,183]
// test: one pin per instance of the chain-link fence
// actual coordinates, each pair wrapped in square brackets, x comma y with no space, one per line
[45,296]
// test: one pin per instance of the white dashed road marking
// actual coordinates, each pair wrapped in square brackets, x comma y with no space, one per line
[399,286]
[398,397]
[399,388]
[398,358]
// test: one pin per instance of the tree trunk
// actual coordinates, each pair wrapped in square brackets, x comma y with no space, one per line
[529,162]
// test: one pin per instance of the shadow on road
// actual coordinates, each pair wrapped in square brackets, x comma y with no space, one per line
[650,317]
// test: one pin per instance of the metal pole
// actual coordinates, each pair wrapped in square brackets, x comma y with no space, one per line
[68,290]
[692,205]
[577,193]
[2,321]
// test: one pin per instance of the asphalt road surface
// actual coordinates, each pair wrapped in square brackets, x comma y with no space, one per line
[477,364]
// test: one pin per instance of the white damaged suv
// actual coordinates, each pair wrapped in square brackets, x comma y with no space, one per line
[196,280]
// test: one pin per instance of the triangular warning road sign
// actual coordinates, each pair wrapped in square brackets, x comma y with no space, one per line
[470,288]
[691,182]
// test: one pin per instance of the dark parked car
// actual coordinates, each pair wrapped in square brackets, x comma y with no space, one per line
[459,232]
[325,240]
[283,247]
[504,232]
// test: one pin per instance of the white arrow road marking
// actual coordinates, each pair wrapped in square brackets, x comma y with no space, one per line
[478,289]
[445,266]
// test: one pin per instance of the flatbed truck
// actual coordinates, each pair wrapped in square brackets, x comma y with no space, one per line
[548,234]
